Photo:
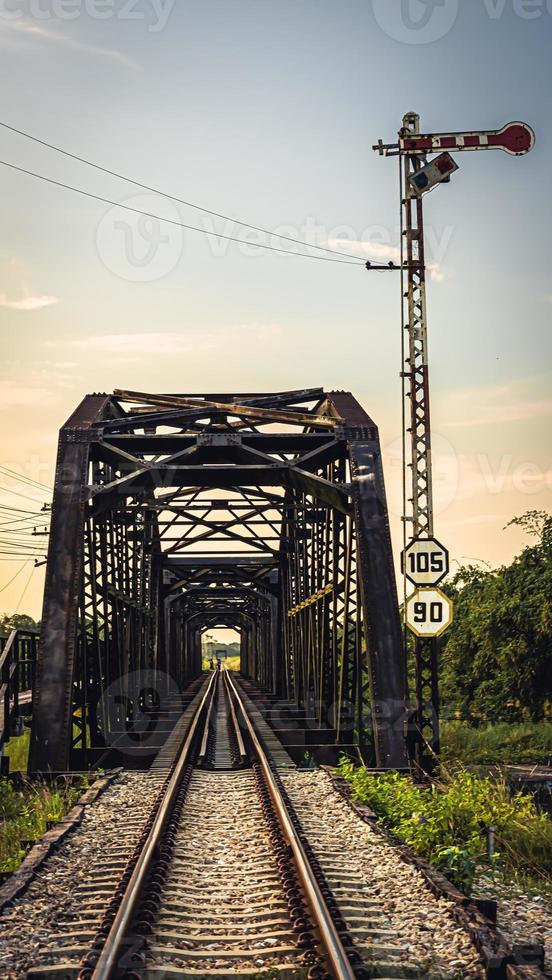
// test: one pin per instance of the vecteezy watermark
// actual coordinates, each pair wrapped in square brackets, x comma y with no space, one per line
[425,21]
[446,474]
[130,711]
[524,9]
[415,21]
[155,13]
[524,476]
[142,241]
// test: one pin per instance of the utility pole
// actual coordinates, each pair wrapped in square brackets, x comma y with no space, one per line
[428,612]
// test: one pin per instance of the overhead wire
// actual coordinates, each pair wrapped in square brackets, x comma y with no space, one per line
[39,551]
[18,493]
[13,578]
[179,200]
[20,510]
[22,596]
[19,526]
[22,533]
[24,479]
[180,224]
[15,558]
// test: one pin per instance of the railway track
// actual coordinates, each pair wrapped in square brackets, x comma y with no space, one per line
[224,866]
[217,883]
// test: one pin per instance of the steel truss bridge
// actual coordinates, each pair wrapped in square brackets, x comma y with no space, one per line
[264,513]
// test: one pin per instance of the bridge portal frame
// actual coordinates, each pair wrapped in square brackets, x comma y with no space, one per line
[320,578]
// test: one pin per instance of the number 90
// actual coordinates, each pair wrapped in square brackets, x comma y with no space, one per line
[428,612]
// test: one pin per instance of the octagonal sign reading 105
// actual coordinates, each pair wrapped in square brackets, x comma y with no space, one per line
[428,612]
[425,561]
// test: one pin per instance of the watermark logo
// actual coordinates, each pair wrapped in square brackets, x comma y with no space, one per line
[132,710]
[446,474]
[142,241]
[154,13]
[415,21]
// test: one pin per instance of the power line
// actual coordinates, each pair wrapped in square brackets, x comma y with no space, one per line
[24,479]
[19,510]
[18,555]
[27,583]
[26,556]
[13,578]
[31,539]
[19,525]
[172,197]
[181,224]
[17,493]
[20,551]
[21,536]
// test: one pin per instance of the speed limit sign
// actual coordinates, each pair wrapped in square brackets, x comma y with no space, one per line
[428,612]
[425,561]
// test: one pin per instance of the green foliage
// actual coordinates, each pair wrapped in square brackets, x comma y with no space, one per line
[17,751]
[527,742]
[25,812]
[20,621]
[447,822]
[497,655]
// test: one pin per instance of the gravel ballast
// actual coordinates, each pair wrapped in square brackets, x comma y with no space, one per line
[54,899]
[523,916]
[418,926]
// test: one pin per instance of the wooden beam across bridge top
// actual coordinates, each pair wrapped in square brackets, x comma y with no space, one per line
[230,408]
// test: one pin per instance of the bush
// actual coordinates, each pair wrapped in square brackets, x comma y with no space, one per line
[24,814]
[447,822]
[528,742]
[17,751]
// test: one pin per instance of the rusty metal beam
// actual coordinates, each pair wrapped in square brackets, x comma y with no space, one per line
[52,703]
[230,408]
[385,650]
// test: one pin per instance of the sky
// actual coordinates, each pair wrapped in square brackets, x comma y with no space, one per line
[266,111]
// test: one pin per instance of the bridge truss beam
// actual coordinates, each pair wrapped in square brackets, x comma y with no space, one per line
[261,512]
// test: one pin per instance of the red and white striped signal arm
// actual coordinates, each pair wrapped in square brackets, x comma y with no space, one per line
[515,138]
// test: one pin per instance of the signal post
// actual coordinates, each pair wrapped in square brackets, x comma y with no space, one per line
[425,562]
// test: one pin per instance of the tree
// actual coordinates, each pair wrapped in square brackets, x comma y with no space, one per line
[497,656]
[19,621]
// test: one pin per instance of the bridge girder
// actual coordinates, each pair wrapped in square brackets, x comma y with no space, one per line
[266,510]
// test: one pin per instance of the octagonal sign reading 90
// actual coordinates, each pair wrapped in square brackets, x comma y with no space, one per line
[428,612]
[425,561]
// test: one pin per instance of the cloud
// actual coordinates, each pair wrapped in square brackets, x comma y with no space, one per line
[143,343]
[14,395]
[473,521]
[498,404]
[28,304]
[171,342]
[22,30]
[379,252]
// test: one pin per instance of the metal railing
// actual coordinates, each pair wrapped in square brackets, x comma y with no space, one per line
[18,655]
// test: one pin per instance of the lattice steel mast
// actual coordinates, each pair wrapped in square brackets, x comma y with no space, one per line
[417,176]
[415,373]
[415,369]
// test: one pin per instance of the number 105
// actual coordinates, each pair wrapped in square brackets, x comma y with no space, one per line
[423,561]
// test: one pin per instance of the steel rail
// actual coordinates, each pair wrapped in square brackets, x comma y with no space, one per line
[205,739]
[335,951]
[107,963]
[235,723]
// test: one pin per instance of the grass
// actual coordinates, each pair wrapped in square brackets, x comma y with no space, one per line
[24,814]
[231,663]
[447,822]
[528,743]
[17,750]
